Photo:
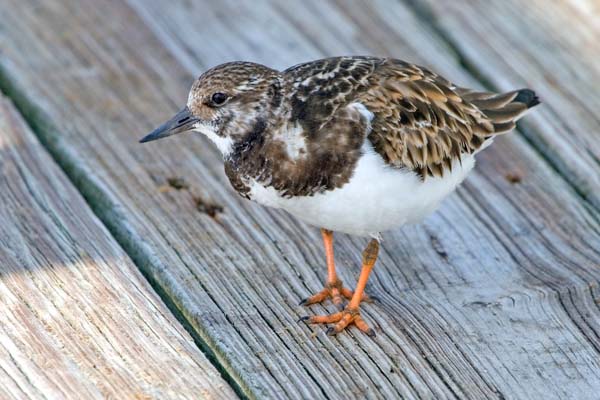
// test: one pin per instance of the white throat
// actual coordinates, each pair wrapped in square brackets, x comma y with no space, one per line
[224,144]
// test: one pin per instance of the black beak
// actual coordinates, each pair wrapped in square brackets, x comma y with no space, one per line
[182,121]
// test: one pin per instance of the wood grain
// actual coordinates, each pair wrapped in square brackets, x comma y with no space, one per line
[493,296]
[78,320]
[552,47]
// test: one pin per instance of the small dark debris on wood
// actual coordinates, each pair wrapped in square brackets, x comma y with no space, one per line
[177,183]
[514,177]
[438,247]
[206,207]
[482,304]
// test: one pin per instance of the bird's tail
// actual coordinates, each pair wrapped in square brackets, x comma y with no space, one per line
[503,109]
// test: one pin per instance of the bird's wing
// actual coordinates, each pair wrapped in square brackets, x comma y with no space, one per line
[423,122]
[318,89]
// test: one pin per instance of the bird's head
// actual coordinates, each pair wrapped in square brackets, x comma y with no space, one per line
[226,103]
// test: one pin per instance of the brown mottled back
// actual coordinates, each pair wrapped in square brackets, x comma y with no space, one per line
[423,122]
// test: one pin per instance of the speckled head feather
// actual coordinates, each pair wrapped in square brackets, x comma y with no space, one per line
[228,99]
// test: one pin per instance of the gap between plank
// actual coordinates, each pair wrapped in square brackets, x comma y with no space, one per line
[104,209]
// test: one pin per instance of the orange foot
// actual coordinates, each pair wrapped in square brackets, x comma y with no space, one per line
[335,291]
[342,320]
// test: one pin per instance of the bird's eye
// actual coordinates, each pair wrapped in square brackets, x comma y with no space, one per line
[218,99]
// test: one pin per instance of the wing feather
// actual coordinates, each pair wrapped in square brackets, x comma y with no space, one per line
[421,121]
[425,123]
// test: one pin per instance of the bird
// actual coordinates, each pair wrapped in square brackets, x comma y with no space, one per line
[357,144]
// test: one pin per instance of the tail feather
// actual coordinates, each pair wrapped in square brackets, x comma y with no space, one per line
[508,113]
[504,127]
[503,109]
[495,102]
[527,97]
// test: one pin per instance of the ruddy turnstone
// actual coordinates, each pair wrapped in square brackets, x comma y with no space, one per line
[358,145]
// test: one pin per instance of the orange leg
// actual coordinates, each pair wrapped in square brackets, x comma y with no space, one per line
[334,288]
[351,314]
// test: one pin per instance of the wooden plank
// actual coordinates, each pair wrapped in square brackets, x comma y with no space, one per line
[78,320]
[492,296]
[550,46]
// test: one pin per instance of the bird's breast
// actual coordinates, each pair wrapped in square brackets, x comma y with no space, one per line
[376,198]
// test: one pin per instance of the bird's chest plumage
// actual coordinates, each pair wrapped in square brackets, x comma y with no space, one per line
[376,198]
[291,177]
[296,162]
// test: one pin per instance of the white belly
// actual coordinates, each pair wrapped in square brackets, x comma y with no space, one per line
[377,198]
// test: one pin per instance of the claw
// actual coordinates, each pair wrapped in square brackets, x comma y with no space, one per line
[342,320]
[336,292]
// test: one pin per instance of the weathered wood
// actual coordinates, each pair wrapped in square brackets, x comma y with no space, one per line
[551,46]
[78,320]
[494,295]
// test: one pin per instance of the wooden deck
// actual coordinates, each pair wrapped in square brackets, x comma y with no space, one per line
[116,284]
